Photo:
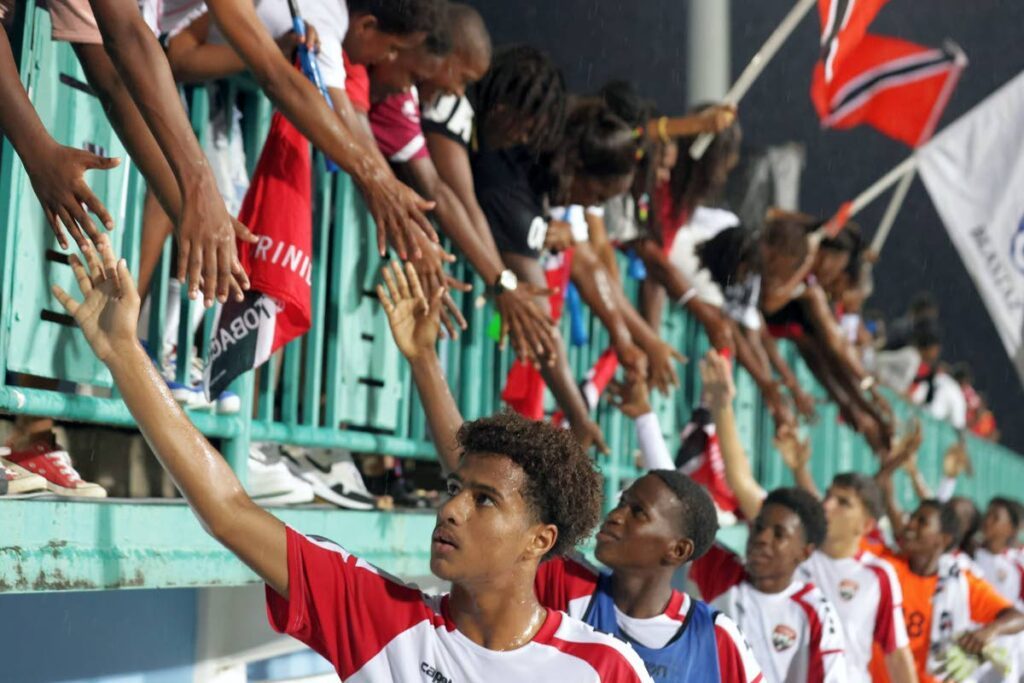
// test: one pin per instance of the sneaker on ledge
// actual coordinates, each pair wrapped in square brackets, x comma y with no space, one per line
[336,481]
[16,481]
[51,462]
[270,482]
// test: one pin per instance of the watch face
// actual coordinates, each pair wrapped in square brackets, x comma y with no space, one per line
[508,280]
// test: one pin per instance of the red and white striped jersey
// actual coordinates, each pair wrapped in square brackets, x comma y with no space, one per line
[795,634]
[867,597]
[568,584]
[1005,571]
[372,627]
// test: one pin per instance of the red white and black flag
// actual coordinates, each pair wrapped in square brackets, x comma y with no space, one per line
[844,23]
[895,86]
[278,208]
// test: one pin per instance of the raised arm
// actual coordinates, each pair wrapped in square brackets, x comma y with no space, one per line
[414,325]
[206,233]
[595,288]
[522,320]
[632,399]
[397,210]
[796,453]
[108,317]
[719,392]
[57,172]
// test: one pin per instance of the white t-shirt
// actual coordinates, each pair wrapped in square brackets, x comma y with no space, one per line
[1004,571]
[948,402]
[795,634]
[868,599]
[372,627]
[329,17]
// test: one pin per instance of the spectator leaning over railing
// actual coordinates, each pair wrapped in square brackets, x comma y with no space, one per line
[523,490]
[663,521]
[861,587]
[33,460]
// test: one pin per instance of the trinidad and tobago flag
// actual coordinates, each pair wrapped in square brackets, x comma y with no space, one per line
[895,86]
[844,23]
[278,208]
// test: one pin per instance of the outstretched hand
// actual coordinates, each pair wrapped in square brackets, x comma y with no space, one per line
[630,397]
[716,380]
[57,174]
[795,452]
[414,321]
[956,461]
[108,314]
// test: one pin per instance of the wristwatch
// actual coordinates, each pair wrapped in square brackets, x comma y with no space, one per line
[506,282]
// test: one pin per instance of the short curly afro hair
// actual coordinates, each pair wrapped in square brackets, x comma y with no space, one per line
[562,484]
[699,521]
[806,507]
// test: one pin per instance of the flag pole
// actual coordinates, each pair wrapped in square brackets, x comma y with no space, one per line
[882,184]
[757,64]
[899,195]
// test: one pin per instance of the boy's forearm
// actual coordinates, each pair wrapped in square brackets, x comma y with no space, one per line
[198,470]
[439,405]
[738,473]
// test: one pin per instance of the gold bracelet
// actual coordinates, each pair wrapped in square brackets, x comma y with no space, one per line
[663,130]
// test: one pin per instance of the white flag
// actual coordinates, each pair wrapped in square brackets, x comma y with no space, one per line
[974,171]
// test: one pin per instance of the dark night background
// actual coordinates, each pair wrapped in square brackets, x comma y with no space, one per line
[645,42]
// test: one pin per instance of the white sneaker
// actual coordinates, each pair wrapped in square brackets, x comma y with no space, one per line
[270,482]
[17,482]
[336,481]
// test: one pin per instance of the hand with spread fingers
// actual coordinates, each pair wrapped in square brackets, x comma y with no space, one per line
[57,174]
[795,452]
[108,314]
[526,323]
[207,254]
[398,212]
[717,384]
[415,321]
[589,434]
[631,397]
[661,359]
[430,267]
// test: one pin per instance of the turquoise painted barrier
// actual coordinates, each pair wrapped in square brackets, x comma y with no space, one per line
[343,385]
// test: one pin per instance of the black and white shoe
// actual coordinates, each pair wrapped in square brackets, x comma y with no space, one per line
[333,476]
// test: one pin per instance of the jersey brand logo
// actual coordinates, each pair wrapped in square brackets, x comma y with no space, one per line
[433,675]
[783,638]
[848,589]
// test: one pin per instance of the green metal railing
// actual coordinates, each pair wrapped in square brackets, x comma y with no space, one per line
[343,385]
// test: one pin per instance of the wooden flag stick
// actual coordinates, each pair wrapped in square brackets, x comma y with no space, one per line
[882,184]
[899,195]
[755,67]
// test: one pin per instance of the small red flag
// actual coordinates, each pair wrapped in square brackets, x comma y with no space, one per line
[844,23]
[897,87]
[278,209]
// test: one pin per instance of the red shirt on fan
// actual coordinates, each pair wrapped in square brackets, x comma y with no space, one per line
[372,627]
[396,126]
[357,85]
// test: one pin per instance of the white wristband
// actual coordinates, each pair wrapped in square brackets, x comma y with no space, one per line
[689,296]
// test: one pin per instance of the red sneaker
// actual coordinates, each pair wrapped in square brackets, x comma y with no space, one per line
[52,463]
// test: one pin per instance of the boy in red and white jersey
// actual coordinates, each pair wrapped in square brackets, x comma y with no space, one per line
[792,628]
[522,490]
[862,588]
[999,561]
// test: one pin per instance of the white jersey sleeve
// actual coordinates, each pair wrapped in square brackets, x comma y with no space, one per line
[736,661]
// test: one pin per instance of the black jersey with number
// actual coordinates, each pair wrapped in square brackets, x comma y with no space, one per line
[513,205]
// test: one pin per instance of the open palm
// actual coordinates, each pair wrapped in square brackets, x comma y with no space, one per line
[109,312]
[414,321]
